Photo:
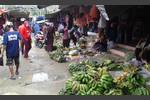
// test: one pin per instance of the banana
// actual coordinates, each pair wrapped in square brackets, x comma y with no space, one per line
[144,91]
[74,83]
[94,85]
[107,79]
[74,88]
[147,92]
[140,91]
[83,87]
[105,86]
[86,87]
[80,87]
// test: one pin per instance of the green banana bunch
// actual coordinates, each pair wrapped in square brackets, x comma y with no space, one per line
[92,91]
[141,91]
[100,88]
[136,79]
[114,92]
[107,62]
[95,93]
[93,73]
[69,84]
[93,84]
[102,71]
[114,66]
[75,86]
[107,81]
[83,87]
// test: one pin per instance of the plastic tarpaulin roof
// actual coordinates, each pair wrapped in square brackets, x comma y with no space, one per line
[19,13]
[42,6]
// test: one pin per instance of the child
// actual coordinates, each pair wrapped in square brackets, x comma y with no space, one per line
[66,37]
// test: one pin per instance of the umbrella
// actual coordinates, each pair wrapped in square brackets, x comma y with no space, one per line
[2,11]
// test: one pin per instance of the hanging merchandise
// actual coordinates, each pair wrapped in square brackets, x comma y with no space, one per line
[103,16]
[93,12]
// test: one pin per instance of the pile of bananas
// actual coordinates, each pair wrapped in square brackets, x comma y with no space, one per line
[58,54]
[76,67]
[91,64]
[131,82]
[111,65]
[140,91]
[93,78]
[89,83]
[114,92]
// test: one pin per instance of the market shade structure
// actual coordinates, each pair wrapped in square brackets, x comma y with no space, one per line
[19,13]
[111,10]
[2,11]
[42,6]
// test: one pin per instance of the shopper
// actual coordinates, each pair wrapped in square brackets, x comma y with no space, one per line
[25,32]
[36,28]
[11,45]
[50,36]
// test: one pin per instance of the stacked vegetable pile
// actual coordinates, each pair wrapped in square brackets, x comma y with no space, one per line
[90,78]
[58,54]
[82,66]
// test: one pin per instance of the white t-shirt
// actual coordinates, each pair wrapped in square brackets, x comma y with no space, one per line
[61,27]
[1,40]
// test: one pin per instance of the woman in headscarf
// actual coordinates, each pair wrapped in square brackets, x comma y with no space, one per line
[50,32]
[25,32]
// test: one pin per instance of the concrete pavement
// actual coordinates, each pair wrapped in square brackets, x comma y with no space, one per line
[24,84]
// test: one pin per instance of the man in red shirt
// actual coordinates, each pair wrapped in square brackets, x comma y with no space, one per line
[25,32]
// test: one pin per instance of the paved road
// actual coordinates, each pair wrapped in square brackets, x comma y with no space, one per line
[25,84]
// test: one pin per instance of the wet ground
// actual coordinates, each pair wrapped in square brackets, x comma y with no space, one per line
[51,76]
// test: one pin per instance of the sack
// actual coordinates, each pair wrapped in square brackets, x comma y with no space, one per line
[110,44]
[1,61]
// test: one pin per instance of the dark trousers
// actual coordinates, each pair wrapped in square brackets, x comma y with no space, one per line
[73,38]
[49,45]
[26,46]
[66,43]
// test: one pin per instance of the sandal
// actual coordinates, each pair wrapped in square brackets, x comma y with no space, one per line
[12,78]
